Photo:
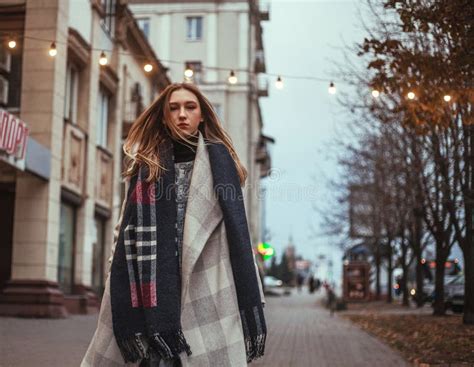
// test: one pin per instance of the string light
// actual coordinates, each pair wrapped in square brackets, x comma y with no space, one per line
[232,77]
[148,67]
[332,88]
[279,83]
[103,59]
[188,73]
[52,50]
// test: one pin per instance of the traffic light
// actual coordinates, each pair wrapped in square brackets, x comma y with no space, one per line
[266,250]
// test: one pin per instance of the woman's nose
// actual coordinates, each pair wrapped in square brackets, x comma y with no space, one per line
[182,112]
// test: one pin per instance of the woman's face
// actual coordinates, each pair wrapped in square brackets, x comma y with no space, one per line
[185,111]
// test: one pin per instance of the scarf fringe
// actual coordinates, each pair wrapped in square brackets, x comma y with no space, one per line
[255,332]
[132,348]
[167,346]
[255,347]
[170,345]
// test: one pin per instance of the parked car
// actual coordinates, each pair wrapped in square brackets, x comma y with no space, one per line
[454,294]
[272,282]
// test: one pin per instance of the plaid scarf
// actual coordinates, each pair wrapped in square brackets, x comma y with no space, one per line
[145,280]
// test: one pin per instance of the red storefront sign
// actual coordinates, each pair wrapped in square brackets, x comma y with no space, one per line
[13,135]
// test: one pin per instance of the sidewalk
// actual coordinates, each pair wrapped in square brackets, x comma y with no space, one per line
[301,334]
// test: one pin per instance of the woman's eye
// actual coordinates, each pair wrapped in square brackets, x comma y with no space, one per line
[191,107]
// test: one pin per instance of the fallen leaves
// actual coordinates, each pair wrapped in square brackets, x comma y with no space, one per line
[422,338]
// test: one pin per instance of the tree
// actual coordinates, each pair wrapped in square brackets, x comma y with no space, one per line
[424,48]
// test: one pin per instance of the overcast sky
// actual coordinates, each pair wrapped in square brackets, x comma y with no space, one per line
[303,38]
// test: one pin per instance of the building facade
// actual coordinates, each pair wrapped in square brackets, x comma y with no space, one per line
[213,38]
[60,200]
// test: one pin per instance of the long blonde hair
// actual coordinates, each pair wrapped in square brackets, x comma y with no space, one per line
[154,126]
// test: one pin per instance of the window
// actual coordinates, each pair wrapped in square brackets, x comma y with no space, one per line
[66,248]
[196,67]
[72,88]
[10,77]
[108,22]
[193,28]
[144,25]
[103,117]
[98,255]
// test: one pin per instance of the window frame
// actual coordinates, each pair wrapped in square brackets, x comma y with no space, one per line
[194,28]
[141,22]
[108,21]
[71,97]
[102,128]
[196,66]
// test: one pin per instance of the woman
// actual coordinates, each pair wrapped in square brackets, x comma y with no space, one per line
[183,286]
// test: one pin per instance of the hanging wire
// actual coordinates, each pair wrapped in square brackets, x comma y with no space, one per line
[146,59]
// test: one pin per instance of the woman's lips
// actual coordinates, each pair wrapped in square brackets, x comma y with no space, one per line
[183,125]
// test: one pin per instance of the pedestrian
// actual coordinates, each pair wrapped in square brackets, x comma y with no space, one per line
[311,284]
[183,287]
[299,281]
[331,300]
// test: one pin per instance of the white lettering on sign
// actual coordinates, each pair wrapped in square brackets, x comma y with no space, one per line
[13,135]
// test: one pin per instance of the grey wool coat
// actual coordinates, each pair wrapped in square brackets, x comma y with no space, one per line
[210,315]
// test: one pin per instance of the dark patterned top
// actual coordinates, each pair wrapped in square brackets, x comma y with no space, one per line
[183,180]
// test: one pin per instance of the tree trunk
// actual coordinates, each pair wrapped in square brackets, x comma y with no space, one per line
[419,280]
[468,317]
[377,272]
[439,308]
[418,249]
[389,273]
[406,301]
[468,248]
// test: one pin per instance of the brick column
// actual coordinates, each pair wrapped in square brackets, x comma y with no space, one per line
[33,290]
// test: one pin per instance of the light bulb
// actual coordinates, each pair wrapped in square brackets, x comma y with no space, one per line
[52,50]
[148,67]
[332,88]
[103,59]
[375,93]
[232,78]
[411,95]
[188,73]
[447,98]
[12,43]
[279,83]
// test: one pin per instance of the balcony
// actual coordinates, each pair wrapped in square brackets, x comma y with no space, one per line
[264,12]
[262,87]
[259,63]
[263,155]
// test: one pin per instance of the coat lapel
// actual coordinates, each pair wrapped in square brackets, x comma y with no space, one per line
[203,212]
